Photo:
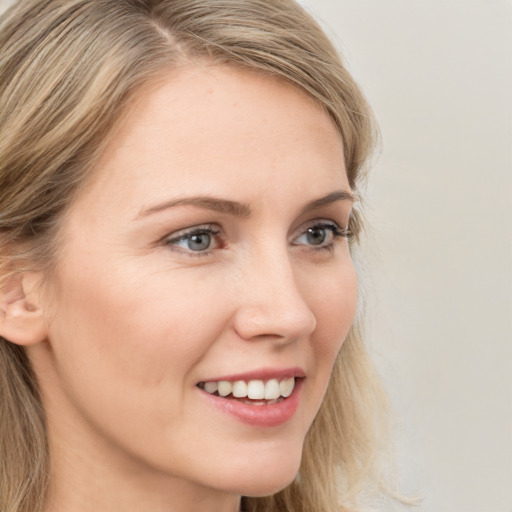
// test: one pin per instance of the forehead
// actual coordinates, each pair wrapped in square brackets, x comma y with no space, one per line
[214,127]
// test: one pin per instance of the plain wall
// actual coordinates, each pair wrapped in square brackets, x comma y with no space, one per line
[439,76]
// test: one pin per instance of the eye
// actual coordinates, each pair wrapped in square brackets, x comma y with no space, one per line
[320,235]
[199,240]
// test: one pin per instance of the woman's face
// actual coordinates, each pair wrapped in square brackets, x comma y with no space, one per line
[209,246]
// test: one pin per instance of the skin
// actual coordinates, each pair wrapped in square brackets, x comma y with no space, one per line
[137,318]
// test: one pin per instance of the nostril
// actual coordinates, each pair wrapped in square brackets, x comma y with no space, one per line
[274,338]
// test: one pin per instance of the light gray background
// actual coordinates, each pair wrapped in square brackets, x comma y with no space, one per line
[439,76]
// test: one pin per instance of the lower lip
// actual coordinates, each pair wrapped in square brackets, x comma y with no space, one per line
[271,415]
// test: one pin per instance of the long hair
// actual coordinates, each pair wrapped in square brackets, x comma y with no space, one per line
[68,71]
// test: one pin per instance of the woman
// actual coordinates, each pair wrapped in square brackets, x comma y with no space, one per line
[177,225]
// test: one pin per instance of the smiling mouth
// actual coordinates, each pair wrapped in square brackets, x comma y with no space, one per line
[253,392]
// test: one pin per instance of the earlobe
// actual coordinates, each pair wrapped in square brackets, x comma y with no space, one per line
[21,314]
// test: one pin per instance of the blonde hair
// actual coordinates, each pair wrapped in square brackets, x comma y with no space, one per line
[68,70]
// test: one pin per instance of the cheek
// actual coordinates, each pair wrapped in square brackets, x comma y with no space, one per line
[139,338]
[128,311]
[336,305]
[125,355]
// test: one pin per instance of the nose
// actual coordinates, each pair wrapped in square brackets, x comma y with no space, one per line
[271,304]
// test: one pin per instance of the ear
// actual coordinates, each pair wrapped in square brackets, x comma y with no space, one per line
[21,315]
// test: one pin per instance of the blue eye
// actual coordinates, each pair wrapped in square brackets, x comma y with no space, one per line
[320,235]
[197,240]
[317,235]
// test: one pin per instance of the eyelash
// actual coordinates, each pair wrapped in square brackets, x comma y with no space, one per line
[207,229]
[335,230]
[214,231]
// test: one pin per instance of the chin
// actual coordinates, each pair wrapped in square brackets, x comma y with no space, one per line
[264,478]
[264,486]
[258,489]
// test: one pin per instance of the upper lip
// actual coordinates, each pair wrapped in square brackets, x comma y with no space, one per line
[261,374]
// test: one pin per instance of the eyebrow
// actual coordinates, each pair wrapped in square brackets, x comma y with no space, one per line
[239,209]
[339,195]
[208,203]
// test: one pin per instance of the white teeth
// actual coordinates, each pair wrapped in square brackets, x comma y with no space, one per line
[239,389]
[225,388]
[286,387]
[271,390]
[256,390]
[211,387]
